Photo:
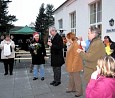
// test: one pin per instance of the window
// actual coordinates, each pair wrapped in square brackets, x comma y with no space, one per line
[93,13]
[96,14]
[73,22]
[60,23]
[99,11]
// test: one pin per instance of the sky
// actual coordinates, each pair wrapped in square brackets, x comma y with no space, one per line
[26,11]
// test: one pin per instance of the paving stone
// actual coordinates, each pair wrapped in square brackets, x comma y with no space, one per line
[21,84]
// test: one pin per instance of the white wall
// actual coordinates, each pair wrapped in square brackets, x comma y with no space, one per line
[69,8]
[63,13]
[108,12]
[82,22]
[58,16]
[82,18]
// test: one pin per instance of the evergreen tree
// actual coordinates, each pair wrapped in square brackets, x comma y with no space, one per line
[49,14]
[50,20]
[5,19]
[44,19]
[41,21]
[0,5]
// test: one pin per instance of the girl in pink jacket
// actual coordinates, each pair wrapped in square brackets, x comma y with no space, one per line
[102,82]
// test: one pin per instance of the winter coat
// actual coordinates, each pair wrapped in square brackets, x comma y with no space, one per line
[103,87]
[96,51]
[57,58]
[73,60]
[112,46]
[12,49]
[38,54]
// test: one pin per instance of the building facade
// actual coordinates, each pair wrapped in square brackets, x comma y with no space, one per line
[78,15]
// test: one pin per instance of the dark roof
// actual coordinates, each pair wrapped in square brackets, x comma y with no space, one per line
[60,6]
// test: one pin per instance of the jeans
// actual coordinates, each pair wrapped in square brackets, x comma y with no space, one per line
[41,70]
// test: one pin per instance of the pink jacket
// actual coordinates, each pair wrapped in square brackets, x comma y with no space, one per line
[101,88]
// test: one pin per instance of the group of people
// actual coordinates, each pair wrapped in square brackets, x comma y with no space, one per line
[97,65]
[97,61]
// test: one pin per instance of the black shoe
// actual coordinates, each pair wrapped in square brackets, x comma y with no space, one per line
[77,95]
[11,73]
[35,78]
[57,83]
[6,74]
[42,78]
[52,83]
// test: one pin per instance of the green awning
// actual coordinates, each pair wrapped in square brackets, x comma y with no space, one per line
[24,30]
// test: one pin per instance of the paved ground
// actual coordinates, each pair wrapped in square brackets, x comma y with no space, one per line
[21,85]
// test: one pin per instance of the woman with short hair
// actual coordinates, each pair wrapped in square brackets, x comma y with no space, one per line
[8,54]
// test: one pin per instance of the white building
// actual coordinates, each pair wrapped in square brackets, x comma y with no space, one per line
[79,15]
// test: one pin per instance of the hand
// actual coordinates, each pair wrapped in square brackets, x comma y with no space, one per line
[94,75]
[79,50]
[49,43]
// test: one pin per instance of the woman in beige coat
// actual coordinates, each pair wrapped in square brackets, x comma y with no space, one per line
[73,66]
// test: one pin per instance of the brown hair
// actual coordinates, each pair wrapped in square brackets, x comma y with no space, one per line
[107,66]
[71,36]
[7,35]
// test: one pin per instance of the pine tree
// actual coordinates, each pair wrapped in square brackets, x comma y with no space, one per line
[49,14]
[49,19]
[41,20]
[5,19]
[44,19]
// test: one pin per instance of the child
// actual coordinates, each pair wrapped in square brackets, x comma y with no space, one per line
[102,82]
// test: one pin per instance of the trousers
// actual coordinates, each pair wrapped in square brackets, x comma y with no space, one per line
[41,70]
[75,83]
[8,64]
[57,74]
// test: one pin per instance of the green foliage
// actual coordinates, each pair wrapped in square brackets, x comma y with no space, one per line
[41,20]
[5,19]
[44,19]
[49,14]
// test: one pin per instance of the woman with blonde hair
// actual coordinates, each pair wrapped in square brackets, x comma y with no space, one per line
[102,82]
[73,66]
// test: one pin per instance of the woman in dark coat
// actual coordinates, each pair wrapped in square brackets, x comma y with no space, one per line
[38,52]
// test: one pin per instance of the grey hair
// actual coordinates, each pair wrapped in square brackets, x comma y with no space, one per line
[52,29]
[95,30]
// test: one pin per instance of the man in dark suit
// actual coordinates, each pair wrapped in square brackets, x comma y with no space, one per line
[57,59]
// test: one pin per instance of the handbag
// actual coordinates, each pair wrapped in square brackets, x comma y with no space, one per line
[7,50]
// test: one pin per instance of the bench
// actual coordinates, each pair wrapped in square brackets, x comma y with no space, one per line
[22,58]
[22,55]
[25,55]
